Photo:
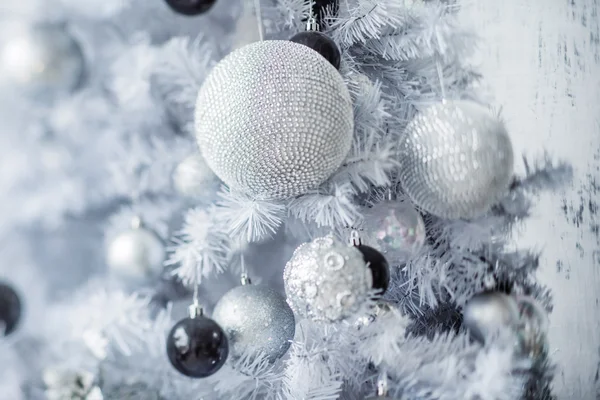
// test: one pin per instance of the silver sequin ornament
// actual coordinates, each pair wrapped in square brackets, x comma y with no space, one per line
[136,253]
[488,313]
[456,160]
[193,177]
[327,280]
[532,327]
[274,119]
[41,59]
[397,227]
[256,319]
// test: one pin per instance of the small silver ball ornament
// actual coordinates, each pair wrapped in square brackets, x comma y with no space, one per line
[397,227]
[532,328]
[327,280]
[41,59]
[136,253]
[193,177]
[274,119]
[256,319]
[488,313]
[456,160]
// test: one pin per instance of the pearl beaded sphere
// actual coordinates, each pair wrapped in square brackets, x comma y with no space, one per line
[456,160]
[274,119]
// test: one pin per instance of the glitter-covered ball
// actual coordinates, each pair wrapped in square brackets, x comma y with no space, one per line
[397,227]
[274,119]
[327,280]
[257,320]
[456,160]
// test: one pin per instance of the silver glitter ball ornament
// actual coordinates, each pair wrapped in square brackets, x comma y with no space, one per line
[488,313]
[42,59]
[193,177]
[274,119]
[327,280]
[397,227]
[256,319]
[456,160]
[136,253]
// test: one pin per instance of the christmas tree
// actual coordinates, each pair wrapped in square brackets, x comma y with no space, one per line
[277,199]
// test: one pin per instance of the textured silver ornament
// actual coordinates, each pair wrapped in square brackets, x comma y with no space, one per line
[456,159]
[397,227]
[532,328]
[42,59]
[193,177]
[488,313]
[136,253]
[256,319]
[327,280]
[274,119]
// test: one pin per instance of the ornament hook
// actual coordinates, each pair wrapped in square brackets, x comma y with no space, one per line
[382,384]
[355,238]
[195,310]
[259,19]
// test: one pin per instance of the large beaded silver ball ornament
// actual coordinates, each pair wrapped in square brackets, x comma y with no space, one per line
[42,59]
[136,253]
[488,313]
[257,320]
[456,159]
[327,280]
[274,119]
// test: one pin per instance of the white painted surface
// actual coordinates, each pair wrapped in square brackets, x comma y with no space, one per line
[542,63]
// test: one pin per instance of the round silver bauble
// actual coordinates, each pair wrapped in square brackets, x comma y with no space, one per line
[41,59]
[136,253]
[532,328]
[193,177]
[257,320]
[456,160]
[488,313]
[327,280]
[274,119]
[397,227]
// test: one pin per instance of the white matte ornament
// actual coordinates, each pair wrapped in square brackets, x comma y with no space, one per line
[456,160]
[256,319]
[42,59]
[193,177]
[274,119]
[136,253]
[327,280]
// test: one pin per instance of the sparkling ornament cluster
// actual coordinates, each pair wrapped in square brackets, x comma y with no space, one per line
[256,319]
[456,160]
[274,119]
[327,280]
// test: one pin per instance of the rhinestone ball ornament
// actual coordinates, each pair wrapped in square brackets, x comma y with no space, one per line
[256,319]
[197,347]
[41,60]
[274,119]
[397,227]
[487,313]
[327,280]
[10,309]
[456,160]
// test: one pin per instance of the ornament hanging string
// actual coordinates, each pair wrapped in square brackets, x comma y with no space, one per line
[259,19]
[440,72]
[195,309]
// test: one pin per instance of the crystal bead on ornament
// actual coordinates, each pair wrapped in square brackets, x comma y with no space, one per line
[274,119]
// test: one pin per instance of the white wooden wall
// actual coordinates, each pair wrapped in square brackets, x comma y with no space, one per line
[541,60]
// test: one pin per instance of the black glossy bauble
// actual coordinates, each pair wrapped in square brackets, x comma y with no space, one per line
[190,7]
[378,265]
[10,309]
[197,347]
[320,43]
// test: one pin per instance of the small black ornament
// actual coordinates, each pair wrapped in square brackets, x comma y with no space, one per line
[378,265]
[10,309]
[197,347]
[320,43]
[190,7]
